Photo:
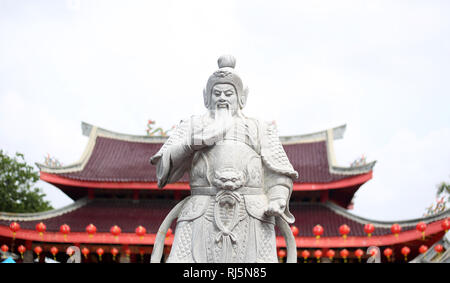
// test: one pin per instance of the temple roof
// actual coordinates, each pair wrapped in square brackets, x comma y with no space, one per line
[128,214]
[119,158]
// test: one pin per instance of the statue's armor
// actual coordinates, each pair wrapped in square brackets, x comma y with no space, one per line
[234,158]
[224,219]
[227,192]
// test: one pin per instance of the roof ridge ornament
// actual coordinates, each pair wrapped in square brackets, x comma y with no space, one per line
[152,132]
[52,162]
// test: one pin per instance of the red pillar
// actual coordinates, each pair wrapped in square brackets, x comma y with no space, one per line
[324,196]
[90,193]
[135,194]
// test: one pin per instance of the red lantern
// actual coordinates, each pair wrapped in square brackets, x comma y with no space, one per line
[281,253]
[169,232]
[388,252]
[421,227]
[14,227]
[91,230]
[396,229]
[318,255]
[344,254]
[294,230]
[330,254]
[127,252]
[5,248]
[318,231]
[38,250]
[438,248]
[100,252]
[305,255]
[115,230]
[114,252]
[54,251]
[64,229]
[423,249]
[85,252]
[405,252]
[142,253]
[359,253]
[140,231]
[21,250]
[445,225]
[344,230]
[40,227]
[369,228]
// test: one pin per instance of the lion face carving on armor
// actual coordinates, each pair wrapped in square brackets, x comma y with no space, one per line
[228,179]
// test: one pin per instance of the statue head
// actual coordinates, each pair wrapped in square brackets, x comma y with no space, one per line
[224,87]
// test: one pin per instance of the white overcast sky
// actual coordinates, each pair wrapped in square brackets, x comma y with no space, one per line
[381,67]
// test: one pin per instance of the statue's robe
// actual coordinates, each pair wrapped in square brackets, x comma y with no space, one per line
[231,184]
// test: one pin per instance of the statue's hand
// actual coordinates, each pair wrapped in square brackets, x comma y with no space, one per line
[206,136]
[275,207]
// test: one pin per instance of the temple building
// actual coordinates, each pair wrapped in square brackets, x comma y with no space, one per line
[114,188]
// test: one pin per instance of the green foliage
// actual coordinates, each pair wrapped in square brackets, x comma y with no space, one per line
[17,179]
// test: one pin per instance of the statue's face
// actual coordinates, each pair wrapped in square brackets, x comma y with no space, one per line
[223,96]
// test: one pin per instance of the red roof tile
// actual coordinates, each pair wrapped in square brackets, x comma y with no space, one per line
[310,160]
[114,160]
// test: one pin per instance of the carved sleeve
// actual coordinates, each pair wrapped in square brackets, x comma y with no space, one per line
[179,136]
[174,157]
[279,186]
[273,154]
[279,173]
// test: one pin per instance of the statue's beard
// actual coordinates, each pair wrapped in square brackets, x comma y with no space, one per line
[222,115]
[222,112]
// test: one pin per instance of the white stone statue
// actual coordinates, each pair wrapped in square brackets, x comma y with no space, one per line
[74,254]
[240,178]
